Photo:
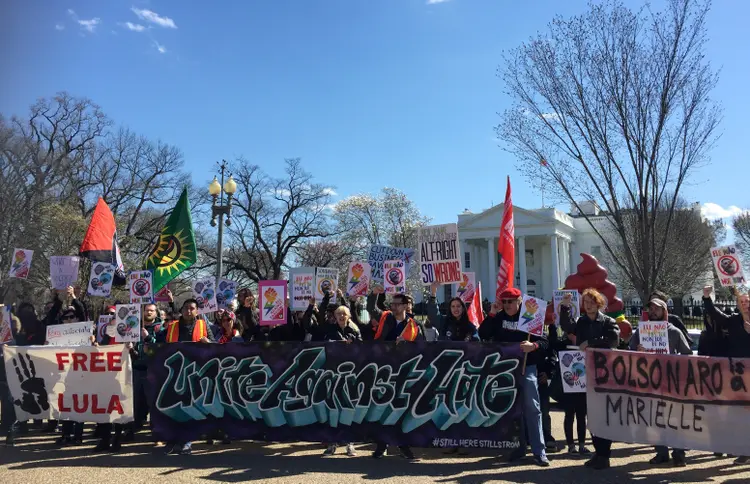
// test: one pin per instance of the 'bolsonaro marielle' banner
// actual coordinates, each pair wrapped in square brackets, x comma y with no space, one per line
[685,402]
[419,394]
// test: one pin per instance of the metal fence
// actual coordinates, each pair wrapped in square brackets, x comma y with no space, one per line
[690,311]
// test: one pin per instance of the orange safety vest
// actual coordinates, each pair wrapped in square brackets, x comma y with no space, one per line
[409,333]
[200,331]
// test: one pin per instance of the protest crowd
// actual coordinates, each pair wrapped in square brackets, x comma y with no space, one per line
[375,315]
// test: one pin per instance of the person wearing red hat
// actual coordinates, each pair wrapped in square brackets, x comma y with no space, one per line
[501,326]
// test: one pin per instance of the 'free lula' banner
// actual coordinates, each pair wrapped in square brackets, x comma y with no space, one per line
[685,402]
[78,383]
[419,394]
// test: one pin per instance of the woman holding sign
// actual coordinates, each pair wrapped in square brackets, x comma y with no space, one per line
[596,330]
[738,327]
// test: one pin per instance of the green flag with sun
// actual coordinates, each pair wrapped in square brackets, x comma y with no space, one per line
[176,249]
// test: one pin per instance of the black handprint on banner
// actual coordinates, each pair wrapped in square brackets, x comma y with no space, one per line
[34,399]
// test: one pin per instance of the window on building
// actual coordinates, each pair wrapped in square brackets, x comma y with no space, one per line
[596,251]
[467,260]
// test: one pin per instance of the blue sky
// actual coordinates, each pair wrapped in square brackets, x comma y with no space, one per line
[370,93]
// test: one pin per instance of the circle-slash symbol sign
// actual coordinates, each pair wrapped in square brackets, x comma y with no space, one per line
[141,287]
[395,276]
[728,265]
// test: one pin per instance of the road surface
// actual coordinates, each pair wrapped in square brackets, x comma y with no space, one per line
[35,460]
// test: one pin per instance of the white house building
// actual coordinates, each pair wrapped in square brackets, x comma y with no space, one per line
[548,246]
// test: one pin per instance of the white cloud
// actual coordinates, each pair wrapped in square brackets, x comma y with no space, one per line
[89,25]
[154,18]
[330,191]
[551,116]
[134,27]
[160,48]
[714,211]
[59,27]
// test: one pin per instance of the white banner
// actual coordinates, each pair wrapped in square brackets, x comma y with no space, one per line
[21,263]
[141,287]
[575,304]
[6,333]
[100,280]
[63,271]
[82,384]
[71,334]
[573,370]
[358,278]
[205,293]
[381,253]
[301,280]
[394,276]
[326,279]
[683,402]
[128,320]
[728,265]
[466,288]
[439,254]
[226,294]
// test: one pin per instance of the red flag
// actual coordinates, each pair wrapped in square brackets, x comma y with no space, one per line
[506,247]
[476,316]
[100,242]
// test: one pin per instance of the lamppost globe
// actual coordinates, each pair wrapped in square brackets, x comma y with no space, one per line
[214,188]
[230,186]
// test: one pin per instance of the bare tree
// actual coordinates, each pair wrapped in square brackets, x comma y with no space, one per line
[688,240]
[271,218]
[614,106]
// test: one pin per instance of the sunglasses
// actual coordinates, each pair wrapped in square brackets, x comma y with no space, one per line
[509,301]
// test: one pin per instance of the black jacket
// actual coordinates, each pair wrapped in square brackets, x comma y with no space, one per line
[603,332]
[499,329]
[738,343]
[390,322]
[350,332]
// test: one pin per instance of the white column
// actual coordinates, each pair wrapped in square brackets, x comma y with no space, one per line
[521,242]
[555,264]
[489,290]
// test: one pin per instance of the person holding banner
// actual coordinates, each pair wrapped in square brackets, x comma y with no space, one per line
[596,330]
[8,415]
[738,327]
[658,310]
[501,326]
[346,331]
[394,325]
[72,432]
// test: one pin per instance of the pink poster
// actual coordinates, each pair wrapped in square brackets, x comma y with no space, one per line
[272,303]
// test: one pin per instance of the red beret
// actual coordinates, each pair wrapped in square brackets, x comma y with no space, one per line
[510,293]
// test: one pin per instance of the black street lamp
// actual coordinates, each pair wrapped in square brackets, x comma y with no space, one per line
[217,191]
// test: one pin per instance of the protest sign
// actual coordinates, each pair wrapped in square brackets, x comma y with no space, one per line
[6,333]
[272,304]
[128,320]
[395,276]
[575,304]
[654,336]
[573,370]
[466,288]
[21,263]
[141,287]
[439,254]
[106,326]
[728,265]
[301,280]
[226,294]
[205,293]
[420,394]
[161,295]
[78,383]
[381,253]
[326,280]
[532,315]
[684,402]
[63,271]
[70,334]
[358,279]
[100,281]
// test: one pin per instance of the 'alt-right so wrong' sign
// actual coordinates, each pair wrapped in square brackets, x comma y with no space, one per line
[685,402]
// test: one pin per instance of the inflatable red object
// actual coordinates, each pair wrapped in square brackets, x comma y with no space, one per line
[590,274]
